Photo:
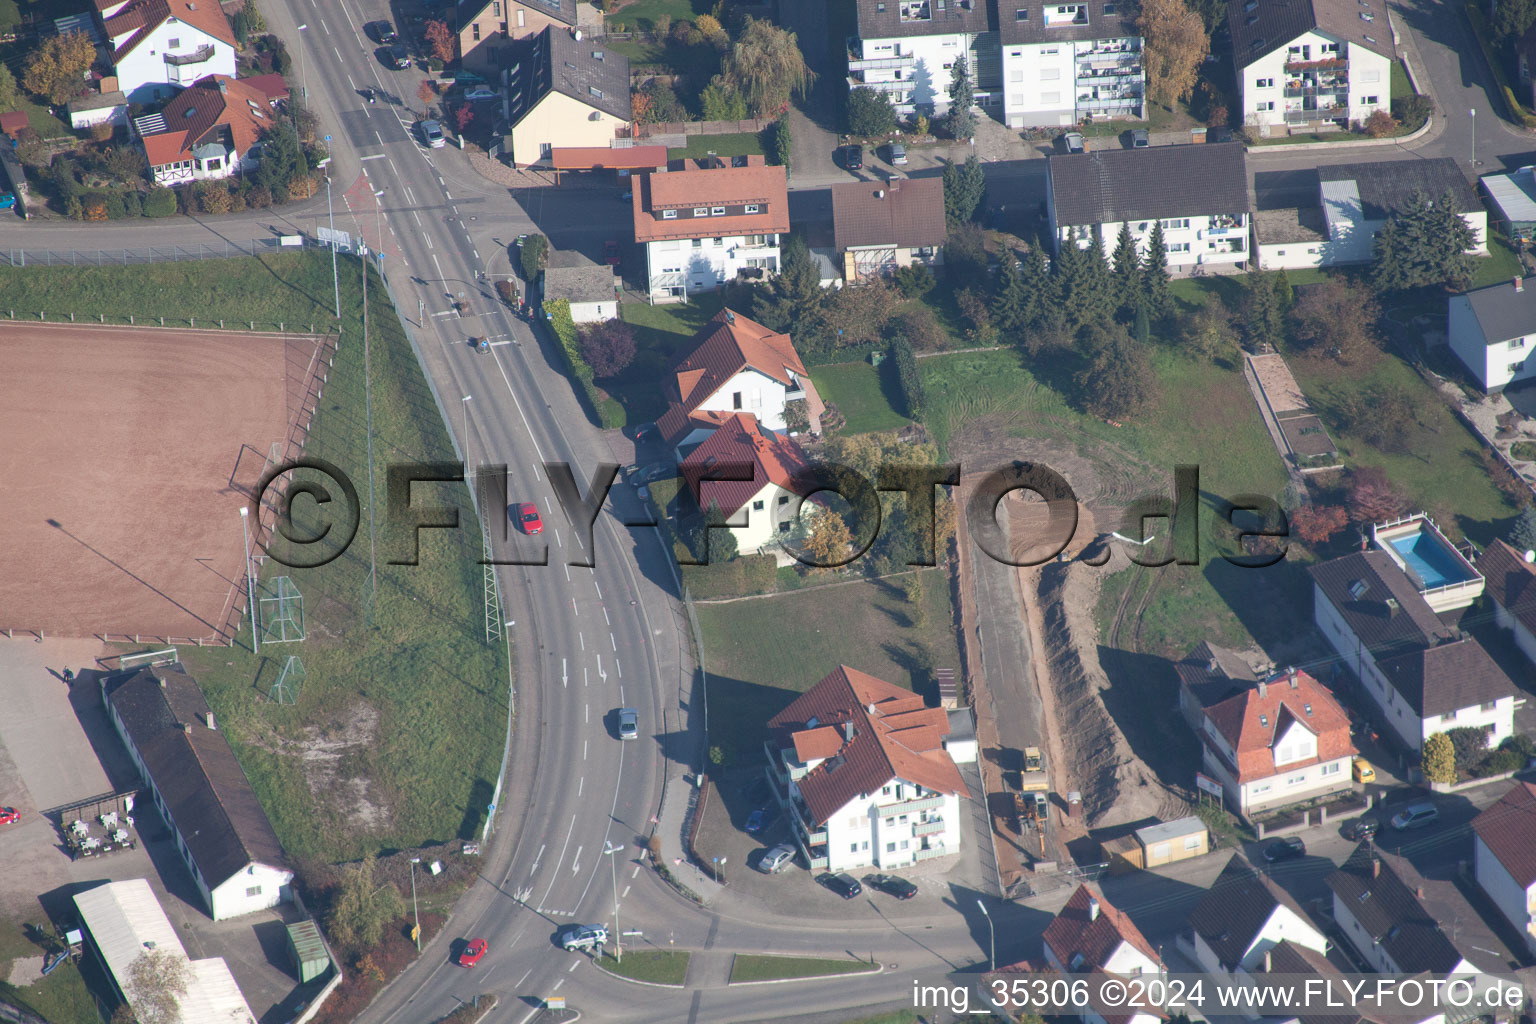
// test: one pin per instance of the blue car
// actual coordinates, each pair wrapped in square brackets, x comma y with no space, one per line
[7,201]
[757,819]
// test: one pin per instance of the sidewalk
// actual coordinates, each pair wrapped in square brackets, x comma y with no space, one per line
[675,800]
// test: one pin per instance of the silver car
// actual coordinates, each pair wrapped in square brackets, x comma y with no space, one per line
[777,859]
[432,135]
[629,724]
[898,154]
[583,936]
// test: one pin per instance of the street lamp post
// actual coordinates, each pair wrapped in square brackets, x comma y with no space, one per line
[613,873]
[465,403]
[416,932]
[250,586]
[331,215]
[378,222]
[992,931]
[303,76]
[1473,114]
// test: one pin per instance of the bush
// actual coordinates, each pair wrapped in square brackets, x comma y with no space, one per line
[782,143]
[907,378]
[1412,111]
[564,328]
[914,280]
[115,208]
[133,204]
[160,202]
[1439,759]
[608,347]
[870,113]
[1380,124]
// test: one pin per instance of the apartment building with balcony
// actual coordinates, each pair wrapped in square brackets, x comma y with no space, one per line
[1198,193]
[159,47]
[1310,65]
[1064,63]
[907,49]
[860,765]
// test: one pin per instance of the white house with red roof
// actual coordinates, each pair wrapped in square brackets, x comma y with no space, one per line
[709,222]
[159,47]
[749,473]
[1282,741]
[1504,857]
[1091,936]
[861,766]
[207,131]
[735,365]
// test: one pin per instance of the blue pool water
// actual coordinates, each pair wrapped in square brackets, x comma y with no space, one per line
[1433,564]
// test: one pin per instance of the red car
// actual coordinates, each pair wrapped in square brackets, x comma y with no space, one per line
[9,815]
[526,516]
[611,253]
[470,955]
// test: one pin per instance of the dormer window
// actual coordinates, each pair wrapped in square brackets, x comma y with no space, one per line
[1021,14]
[1263,721]
[701,211]
[669,215]
[750,208]
[717,211]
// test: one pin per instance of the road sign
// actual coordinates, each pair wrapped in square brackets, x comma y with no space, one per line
[1208,784]
[415,933]
[341,238]
[327,138]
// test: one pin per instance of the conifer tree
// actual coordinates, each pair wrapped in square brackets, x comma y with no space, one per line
[1127,271]
[1154,273]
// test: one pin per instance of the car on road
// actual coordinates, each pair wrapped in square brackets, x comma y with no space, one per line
[892,885]
[1074,143]
[611,252]
[842,883]
[629,724]
[643,492]
[467,78]
[777,859]
[1289,848]
[1140,139]
[1361,828]
[470,955]
[1415,816]
[655,471]
[898,154]
[853,157]
[758,818]
[9,815]
[398,58]
[583,936]
[7,201]
[383,33]
[1363,771]
[526,515]
[432,135]
[480,93]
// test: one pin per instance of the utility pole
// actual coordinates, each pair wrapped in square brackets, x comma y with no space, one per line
[467,468]
[613,872]
[331,216]
[373,560]
[1473,114]
[303,74]
[416,931]
[250,587]
[992,960]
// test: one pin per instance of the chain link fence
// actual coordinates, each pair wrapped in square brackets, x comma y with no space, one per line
[124,257]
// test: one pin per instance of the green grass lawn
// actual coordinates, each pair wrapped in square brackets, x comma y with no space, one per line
[661,333]
[402,694]
[762,653]
[658,966]
[643,13]
[1500,265]
[859,392]
[764,967]
[737,144]
[60,998]
[1401,88]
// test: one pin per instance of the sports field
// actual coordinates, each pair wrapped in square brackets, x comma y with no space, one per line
[127,454]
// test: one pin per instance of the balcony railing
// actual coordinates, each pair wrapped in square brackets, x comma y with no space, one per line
[816,838]
[880,63]
[896,86]
[1328,64]
[918,806]
[1111,58]
[1107,76]
[197,56]
[937,851]
[1318,114]
[933,826]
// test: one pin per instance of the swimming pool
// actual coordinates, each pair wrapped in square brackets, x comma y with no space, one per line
[1431,562]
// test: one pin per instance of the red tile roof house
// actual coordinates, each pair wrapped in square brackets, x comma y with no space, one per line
[860,763]
[1504,857]
[205,132]
[1092,936]
[734,365]
[1242,917]
[160,47]
[707,222]
[760,502]
[880,226]
[1279,742]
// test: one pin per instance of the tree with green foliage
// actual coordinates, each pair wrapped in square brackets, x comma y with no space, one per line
[57,68]
[532,254]
[1143,326]
[241,26]
[965,186]
[722,543]
[1285,295]
[661,103]
[722,101]
[1424,245]
[965,255]
[1439,759]
[788,298]
[960,120]
[908,381]
[783,145]
[1511,19]
[1127,273]
[1208,333]
[1069,272]
[157,980]
[282,159]
[1013,311]
[253,16]
[870,112]
[1263,322]
[159,202]
[1098,279]
[1522,537]
[10,95]
[1116,383]
[766,66]
[1154,273]
[362,909]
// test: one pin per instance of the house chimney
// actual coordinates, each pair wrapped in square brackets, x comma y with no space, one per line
[1519,283]
[1212,666]
[1375,867]
[1093,908]
[1269,963]
[730,317]
[211,724]
[1263,689]
[1290,674]
[1418,891]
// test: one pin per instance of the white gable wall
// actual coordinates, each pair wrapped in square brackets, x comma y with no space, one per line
[258,887]
[1494,362]
[1515,903]
[144,76]
[1264,80]
[753,391]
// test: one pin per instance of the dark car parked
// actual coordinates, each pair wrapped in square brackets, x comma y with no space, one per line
[1288,848]
[398,58]
[844,885]
[853,157]
[891,885]
[383,33]
[1361,828]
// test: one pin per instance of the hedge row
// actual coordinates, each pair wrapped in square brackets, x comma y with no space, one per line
[1484,34]
[907,378]
[742,575]
[609,413]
